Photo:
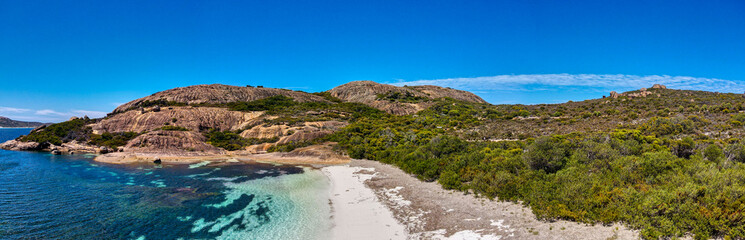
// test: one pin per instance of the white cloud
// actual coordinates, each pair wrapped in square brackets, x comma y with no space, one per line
[49,112]
[13,110]
[609,82]
[91,114]
[47,115]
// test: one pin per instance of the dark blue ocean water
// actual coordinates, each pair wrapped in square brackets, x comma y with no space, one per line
[44,196]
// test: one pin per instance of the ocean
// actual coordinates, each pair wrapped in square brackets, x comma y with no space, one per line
[45,196]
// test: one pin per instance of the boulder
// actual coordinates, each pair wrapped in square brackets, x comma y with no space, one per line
[14,145]
[659,86]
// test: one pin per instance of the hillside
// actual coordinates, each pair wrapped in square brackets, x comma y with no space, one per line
[214,94]
[667,162]
[9,123]
[398,100]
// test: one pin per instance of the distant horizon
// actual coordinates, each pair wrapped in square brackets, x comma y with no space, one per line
[64,59]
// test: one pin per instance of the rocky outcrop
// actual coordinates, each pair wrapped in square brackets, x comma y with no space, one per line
[171,142]
[14,145]
[259,148]
[312,130]
[192,118]
[322,151]
[217,93]
[643,92]
[367,92]
[303,136]
[78,147]
[614,94]
[266,131]
[307,132]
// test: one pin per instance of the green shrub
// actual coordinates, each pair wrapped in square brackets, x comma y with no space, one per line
[713,153]
[173,128]
[547,154]
[112,140]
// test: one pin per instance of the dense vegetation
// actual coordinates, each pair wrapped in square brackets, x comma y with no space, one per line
[406,97]
[173,128]
[112,140]
[666,173]
[77,130]
[56,134]
[232,141]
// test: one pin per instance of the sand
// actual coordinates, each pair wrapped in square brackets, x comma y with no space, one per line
[356,211]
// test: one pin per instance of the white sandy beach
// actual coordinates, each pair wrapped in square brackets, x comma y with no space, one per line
[356,211]
[371,200]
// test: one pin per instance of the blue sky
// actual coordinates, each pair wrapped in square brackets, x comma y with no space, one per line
[64,58]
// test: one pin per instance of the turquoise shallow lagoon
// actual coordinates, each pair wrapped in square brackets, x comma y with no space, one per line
[43,196]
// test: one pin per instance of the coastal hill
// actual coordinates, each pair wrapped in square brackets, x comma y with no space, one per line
[398,100]
[10,123]
[666,162]
[214,94]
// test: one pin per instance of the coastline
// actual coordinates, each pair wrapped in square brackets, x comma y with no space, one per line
[431,212]
[372,200]
[356,211]
[165,158]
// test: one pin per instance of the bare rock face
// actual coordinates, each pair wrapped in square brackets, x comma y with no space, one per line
[218,93]
[659,86]
[367,92]
[174,142]
[304,136]
[321,151]
[311,131]
[14,145]
[614,94]
[259,148]
[266,132]
[192,118]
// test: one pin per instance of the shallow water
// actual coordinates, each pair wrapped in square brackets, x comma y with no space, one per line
[44,196]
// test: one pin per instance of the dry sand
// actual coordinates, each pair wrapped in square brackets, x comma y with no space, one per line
[430,212]
[356,211]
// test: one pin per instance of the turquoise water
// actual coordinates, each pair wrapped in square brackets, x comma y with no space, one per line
[44,196]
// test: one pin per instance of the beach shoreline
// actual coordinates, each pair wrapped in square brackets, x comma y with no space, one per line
[357,213]
[430,212]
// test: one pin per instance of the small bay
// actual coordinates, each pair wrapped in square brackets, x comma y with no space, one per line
[45,196]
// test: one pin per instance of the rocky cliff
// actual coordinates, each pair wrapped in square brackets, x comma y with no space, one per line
[398,100]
